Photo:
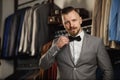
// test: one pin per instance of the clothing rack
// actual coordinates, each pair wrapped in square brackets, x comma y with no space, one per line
[17,61]
[17,4]
[25,62]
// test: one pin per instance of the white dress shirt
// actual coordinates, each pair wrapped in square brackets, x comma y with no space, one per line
[75,47]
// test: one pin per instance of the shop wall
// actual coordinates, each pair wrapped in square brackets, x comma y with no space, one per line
[7,8]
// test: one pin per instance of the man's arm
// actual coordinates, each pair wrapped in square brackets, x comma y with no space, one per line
[48,58]
[104,62]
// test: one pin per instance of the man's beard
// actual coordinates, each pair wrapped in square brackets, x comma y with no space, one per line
[74,32]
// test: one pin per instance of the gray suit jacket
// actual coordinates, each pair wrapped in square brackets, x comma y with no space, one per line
[93,54]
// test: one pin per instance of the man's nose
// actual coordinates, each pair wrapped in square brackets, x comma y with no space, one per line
[71,24]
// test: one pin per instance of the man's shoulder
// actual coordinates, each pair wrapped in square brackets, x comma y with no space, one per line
[92,37]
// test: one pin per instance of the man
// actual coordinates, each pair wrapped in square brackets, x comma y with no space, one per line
[77,59]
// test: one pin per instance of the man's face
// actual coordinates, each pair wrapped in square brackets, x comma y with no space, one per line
[72,22]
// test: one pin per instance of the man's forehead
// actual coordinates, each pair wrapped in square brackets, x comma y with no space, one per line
[70,15]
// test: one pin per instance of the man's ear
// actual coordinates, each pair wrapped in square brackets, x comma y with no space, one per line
[80,20]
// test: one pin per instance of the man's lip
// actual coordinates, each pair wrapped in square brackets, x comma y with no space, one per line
[73,29]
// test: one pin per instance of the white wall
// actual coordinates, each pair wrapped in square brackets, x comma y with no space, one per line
[6,67]
[0,18]
[7,9]
[87,4]
[0,12]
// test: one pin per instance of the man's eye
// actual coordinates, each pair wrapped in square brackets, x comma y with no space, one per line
[66,22]
[74,20]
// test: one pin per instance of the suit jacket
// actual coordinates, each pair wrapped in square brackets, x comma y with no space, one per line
[93,54]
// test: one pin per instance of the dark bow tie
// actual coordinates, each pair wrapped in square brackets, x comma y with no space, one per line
[78,38]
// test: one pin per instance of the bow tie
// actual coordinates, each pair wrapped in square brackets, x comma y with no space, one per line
[78,38]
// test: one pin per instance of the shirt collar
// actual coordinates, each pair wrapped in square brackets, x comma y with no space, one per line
[81,34]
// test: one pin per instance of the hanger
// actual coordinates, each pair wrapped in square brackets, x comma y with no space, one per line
[45,2]
[36,4]
[51,1]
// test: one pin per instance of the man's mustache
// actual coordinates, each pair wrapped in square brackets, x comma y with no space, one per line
[72,28]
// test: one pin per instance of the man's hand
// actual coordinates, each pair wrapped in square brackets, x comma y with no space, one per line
[62,40]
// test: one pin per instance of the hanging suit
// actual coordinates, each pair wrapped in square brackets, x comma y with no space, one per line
[114,21]
[12,32]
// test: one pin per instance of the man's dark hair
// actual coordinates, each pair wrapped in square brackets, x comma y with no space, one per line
[66,10]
